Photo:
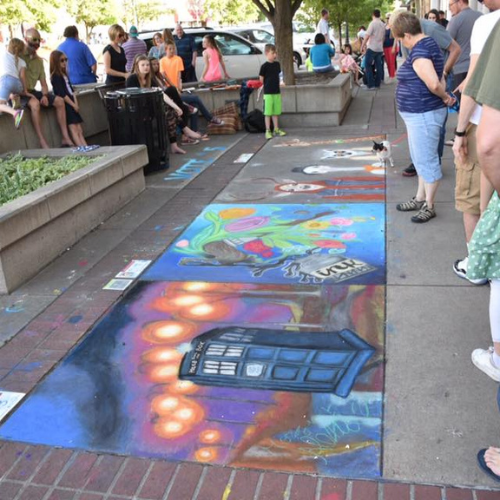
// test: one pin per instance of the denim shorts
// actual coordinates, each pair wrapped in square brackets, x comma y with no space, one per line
[9,85]
[424,130]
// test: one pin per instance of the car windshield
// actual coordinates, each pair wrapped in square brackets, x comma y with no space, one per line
[228,44]
[262,36]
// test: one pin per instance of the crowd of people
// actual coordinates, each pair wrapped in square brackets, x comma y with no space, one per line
[171,61]
[454,65]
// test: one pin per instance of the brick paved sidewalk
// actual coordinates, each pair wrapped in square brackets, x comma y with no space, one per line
[30,472]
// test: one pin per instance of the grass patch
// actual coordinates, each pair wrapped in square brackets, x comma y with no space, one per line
[20,175]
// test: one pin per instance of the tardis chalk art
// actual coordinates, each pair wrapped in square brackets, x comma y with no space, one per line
[276,359]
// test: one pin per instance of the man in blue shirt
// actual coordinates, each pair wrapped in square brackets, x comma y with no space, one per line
[186,49]
[81,63]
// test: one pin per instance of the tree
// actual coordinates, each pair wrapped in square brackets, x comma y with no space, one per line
[92,13]
[280,13]
[230,11]
[352,12]
[40,12]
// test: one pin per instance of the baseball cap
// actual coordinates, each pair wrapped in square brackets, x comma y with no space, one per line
[133,32]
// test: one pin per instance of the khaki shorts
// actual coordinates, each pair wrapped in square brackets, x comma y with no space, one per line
[468,178]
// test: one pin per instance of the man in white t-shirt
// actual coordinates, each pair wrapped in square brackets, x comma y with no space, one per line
[469,199]
[323,27]
[374,45]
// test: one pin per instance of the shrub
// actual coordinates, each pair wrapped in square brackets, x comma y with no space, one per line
[20,176]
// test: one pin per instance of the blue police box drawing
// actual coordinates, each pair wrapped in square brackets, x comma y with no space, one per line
[279,360]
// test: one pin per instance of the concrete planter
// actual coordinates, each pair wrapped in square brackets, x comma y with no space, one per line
[321,105]
[36,228]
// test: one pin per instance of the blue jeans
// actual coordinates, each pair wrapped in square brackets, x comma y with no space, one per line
[195,101]
[9,85]
[374,57]
[424,132]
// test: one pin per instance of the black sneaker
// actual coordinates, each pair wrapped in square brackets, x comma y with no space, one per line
[409,171]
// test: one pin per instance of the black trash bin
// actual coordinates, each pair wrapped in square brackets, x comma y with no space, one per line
[137,116]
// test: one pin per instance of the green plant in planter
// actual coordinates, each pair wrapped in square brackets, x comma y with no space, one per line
[20,175]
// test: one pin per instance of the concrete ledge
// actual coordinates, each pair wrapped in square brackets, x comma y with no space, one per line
[36,228]
[303,105]
[94,122]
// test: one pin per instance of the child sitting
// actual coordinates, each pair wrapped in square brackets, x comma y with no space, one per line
[62,88]
[12,78]
[348,63]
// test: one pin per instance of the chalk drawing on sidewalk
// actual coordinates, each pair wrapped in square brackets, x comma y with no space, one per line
[348,140]
[193,167]
[265,243]
[130,399]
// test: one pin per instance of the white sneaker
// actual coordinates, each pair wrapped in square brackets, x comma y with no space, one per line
[460,269]
[483,359]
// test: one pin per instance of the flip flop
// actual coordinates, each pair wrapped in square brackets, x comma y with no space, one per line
[205,137]
[482,464]
[190,142]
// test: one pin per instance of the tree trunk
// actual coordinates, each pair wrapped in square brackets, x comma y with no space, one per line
[282,24]
[340,35]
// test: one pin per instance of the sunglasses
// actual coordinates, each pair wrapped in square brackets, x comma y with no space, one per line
[121,35]
[34,39]
[63,59]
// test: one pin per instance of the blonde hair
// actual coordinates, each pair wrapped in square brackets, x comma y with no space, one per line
[16,48]
[114,31]
[405,23]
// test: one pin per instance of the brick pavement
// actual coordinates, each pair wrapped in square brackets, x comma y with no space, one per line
[40,472]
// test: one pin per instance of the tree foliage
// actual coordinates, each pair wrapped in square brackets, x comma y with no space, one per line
[42,13]
[353,12]
[92,13]
[228,12]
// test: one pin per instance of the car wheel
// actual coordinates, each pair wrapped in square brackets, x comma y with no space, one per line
[297,59]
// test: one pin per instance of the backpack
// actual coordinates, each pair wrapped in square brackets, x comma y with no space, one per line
[254,122]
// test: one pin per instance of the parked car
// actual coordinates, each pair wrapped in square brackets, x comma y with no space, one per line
[260,38]
[242,58]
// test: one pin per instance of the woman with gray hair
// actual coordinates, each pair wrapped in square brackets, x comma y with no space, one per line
[421,100]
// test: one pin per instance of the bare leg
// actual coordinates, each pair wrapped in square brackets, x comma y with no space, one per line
[176,149]
[267,119]
[275,122]
[61,120]
[420,196]
[76,132]
[5,108]
[190,133]
[430,192]
[470,222]
[488,145]
[486,192]
[34,106]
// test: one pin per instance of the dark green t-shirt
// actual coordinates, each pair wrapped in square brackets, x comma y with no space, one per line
[484,85]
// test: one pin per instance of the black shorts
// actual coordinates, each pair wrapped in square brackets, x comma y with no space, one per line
[38,95]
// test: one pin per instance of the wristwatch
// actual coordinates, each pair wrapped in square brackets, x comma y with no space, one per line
[460,134]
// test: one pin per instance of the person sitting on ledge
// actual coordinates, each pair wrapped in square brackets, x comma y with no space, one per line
[35,72]
[321,55]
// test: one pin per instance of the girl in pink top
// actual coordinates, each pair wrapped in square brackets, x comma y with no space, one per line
[213,61]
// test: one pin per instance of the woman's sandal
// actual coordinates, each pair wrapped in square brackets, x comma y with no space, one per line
[484,466]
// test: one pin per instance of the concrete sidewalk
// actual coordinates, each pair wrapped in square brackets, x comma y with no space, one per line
[438,409]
